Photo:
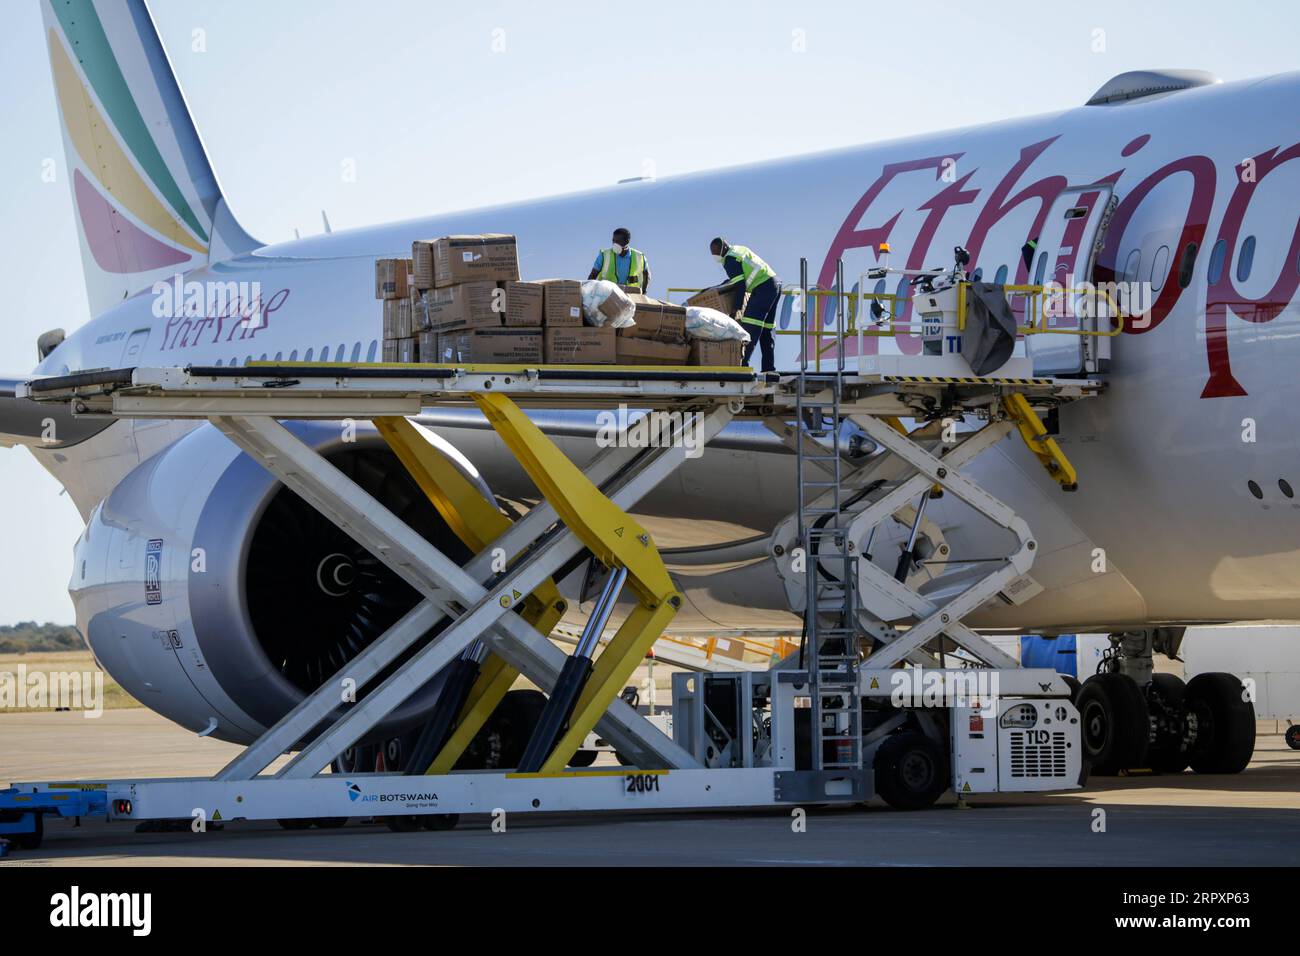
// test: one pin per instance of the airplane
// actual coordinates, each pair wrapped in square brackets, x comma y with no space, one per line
[1187,461]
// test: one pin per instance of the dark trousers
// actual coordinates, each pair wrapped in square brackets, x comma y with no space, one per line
[759,317]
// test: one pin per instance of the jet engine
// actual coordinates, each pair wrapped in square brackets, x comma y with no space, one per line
[219,598]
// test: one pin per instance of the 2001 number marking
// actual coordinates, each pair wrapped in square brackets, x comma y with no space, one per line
[642,782]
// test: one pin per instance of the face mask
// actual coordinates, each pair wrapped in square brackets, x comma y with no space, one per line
[718,259]
[618,248]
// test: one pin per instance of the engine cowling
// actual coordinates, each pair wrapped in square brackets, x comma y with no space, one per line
[219,598]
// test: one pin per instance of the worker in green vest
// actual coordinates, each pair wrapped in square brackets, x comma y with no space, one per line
[759,319]
[622,264]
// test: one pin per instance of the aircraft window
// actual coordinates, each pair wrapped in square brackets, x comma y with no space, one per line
[1000,277]
[263,358]
[338,354]
[235,360]
[1159,268]
[307,357]
[879,288]
[1217,255]
[218,363]
[787,307]
[248,360]
[1246,259]
[1041,271]
[356,352]
[1255,490]
[1132,266]
[977,275]
[1188,265]
[293,356]
[279,356]
[1285,487]
[374,347]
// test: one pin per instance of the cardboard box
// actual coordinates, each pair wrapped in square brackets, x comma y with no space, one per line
[730,352]
[397,318]
[488,257]
[524,303]
[389,353]
[634,351]
[662,321]
[408,350]
[562,303]
[492,347]
[428,346]
[728,303]
[392,278]
[581,345]
[422,263]
[468,306]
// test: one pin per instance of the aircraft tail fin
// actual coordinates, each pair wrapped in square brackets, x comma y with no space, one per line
[147,202]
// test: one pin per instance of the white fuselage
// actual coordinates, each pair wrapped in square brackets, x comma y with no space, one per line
[1163,461]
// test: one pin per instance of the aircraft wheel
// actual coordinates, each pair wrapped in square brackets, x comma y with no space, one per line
[582,758]
[911,771]
[330,823]
[1165,702]
[1115,725]
[1225,724]
[1293,736]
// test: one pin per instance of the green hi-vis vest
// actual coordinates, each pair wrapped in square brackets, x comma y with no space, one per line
[754,269]
[609,266]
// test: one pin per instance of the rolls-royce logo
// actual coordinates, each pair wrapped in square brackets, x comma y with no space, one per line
[153,571]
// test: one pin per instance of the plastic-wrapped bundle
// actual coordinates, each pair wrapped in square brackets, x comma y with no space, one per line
[604,303]
[713,326]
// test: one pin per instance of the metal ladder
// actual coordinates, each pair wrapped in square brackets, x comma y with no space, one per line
[830,644]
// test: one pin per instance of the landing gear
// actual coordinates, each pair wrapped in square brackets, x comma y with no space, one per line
[1293,736]
[1224,722]
[911,771]
[1166,704]
[1113,713]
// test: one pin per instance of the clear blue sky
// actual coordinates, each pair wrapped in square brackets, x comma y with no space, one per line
[448,105]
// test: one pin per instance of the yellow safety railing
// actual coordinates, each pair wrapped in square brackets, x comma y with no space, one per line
[1037,307]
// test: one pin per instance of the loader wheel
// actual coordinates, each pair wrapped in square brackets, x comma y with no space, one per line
[404,824]
[1225,724]
[33,840]
[1293,736]
[1115,725]
[440,821]
[1168,710]
[911,771]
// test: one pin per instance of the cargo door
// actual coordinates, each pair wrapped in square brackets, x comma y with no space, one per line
[1064,257]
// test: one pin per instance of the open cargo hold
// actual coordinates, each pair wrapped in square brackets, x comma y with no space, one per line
[460,299]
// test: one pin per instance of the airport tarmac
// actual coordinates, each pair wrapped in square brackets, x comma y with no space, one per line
[1189,820]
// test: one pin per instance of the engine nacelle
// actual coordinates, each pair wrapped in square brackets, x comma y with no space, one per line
[219,598]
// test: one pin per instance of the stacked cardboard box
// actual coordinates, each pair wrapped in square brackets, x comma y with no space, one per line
[730,301]
[657,338]
[453,285]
